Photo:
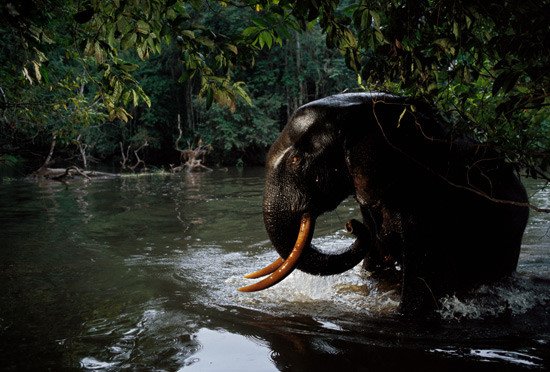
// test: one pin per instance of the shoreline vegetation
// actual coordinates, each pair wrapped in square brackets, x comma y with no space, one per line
[185,85]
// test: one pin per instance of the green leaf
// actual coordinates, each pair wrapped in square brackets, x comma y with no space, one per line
[456,30]
[249,31]
[232,48]
[145,98]
[171,14]
[401,117]
[179,8]
[128,41]
[206,42]
[265,38]
[190,34]
[45,74]
[379,36]
[142,51]
[151,43]
[129,67]
[365,20]
[37,73]
[123,26]
[126,97]
[111,36]
[446,45]
[376,18]
[135,98]
[142,27]
[468,22]
[239,89]
[121,114]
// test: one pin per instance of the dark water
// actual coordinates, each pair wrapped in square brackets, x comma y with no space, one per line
[141,274]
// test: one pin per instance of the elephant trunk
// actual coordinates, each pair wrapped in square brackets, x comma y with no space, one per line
[304,256]
[316,262]
[283,229]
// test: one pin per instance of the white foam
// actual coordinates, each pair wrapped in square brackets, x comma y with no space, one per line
[94,364]
[490,301]
[351,291]
[489,355]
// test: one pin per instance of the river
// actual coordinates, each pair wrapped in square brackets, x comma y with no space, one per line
[140,273]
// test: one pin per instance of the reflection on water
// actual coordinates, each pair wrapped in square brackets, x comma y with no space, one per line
[229,352]
[141,273]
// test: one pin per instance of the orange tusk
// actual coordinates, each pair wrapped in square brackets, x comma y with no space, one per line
[266,270]
[291,261]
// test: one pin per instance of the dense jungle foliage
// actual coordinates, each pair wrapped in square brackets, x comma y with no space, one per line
[123,81]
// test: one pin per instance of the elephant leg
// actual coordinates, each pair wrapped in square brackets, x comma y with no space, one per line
[384,259]
[417,297]
[418,292]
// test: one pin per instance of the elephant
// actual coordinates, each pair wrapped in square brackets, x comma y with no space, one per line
[441,212]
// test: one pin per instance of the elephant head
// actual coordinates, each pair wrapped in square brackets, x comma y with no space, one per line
[307,174]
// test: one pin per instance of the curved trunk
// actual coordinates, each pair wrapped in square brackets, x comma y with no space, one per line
[282,231]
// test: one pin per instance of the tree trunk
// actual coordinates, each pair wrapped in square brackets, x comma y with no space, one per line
[82,148]
[189,113]
[301,86]
[44,168]
[289,108]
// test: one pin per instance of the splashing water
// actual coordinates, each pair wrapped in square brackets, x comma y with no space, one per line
[513,298]
[492,355]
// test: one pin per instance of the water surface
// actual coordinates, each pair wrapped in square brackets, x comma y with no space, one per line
[141,273]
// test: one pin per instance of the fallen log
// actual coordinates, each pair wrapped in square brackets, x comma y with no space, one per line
[62,174]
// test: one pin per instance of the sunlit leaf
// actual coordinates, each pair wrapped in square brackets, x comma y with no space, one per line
[135,98]
[27,75]
[190,34]
[249,31]
[37,73]
[232,48]
[128,41]
[142,27]
[456,30]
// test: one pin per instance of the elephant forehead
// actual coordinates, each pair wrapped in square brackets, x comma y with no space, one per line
[301,122]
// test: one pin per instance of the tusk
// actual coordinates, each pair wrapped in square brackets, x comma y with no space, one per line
[289,264]
[266,270]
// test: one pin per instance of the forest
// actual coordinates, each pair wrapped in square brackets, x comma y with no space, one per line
[135,85]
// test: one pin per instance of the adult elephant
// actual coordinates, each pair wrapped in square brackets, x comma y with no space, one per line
[441,213]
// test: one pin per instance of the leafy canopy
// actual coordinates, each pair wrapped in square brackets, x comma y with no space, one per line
[484,64]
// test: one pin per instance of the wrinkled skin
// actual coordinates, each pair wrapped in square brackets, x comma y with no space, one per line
[437,208]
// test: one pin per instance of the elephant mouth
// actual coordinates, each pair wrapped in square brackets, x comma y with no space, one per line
[281,268]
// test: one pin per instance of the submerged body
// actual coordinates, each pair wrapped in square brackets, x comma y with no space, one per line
[440,214]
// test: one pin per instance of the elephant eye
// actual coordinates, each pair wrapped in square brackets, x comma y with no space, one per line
[295,160]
